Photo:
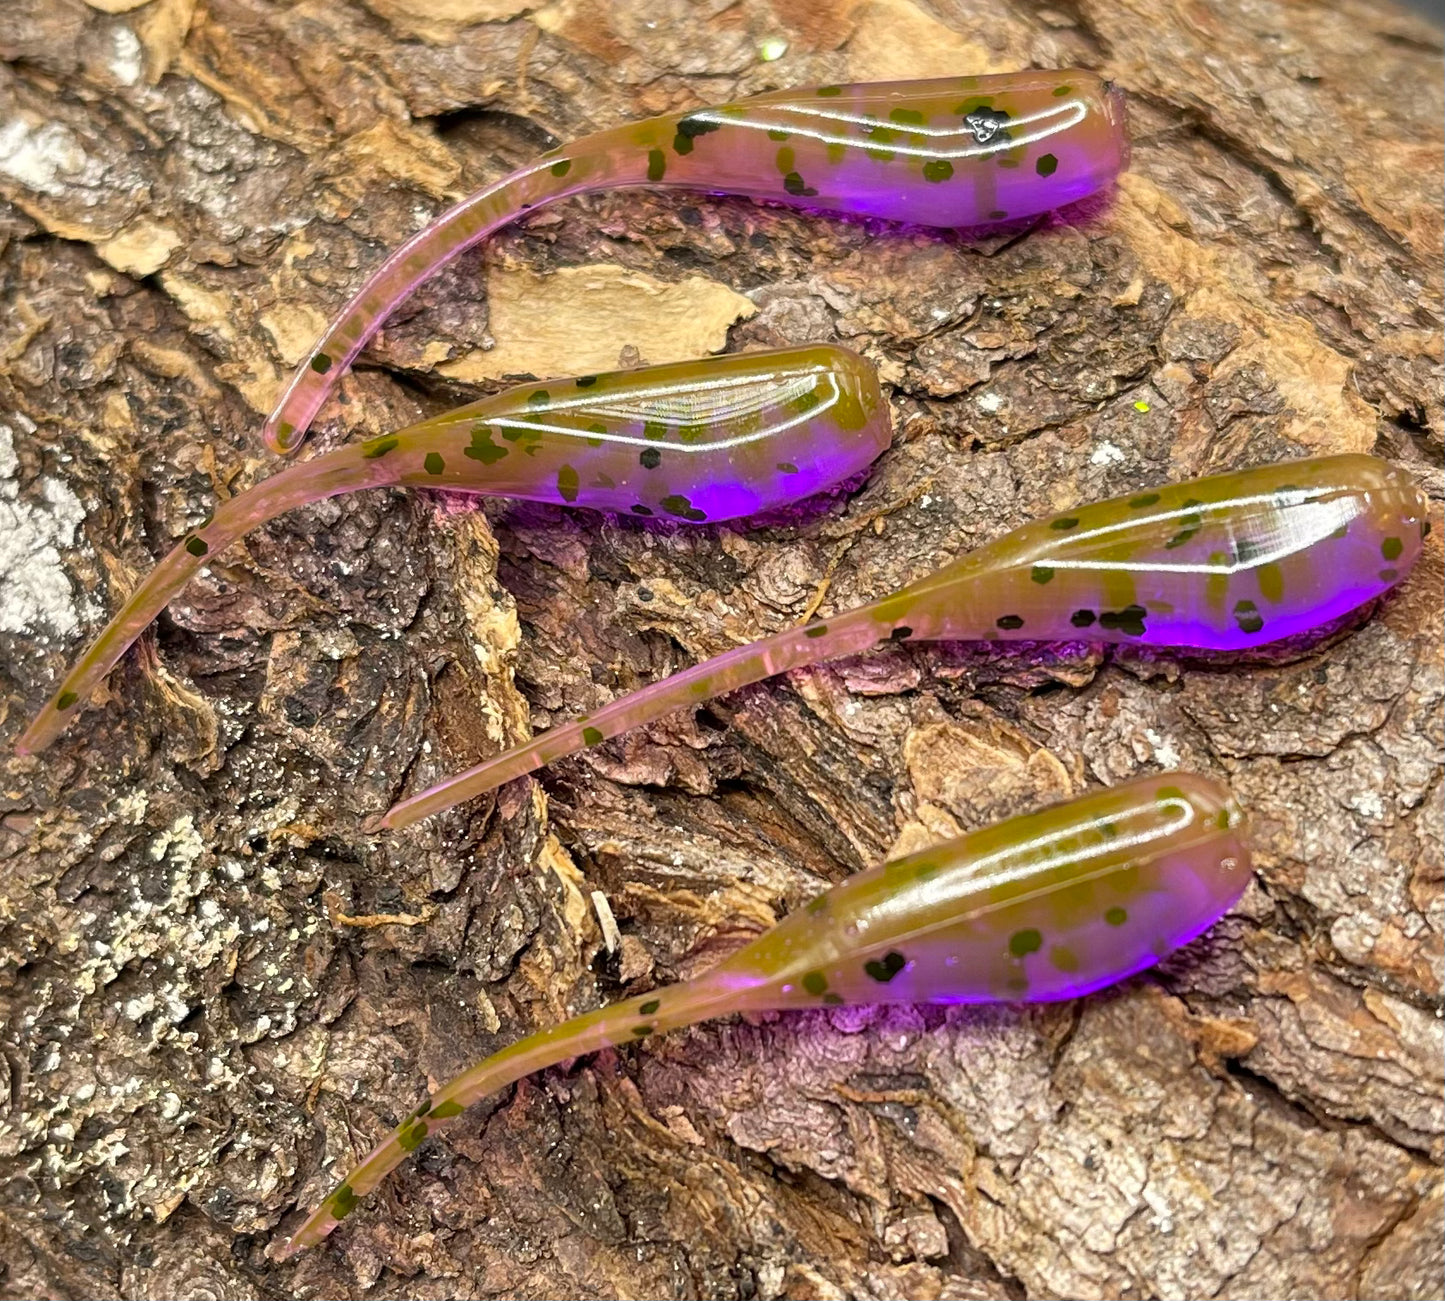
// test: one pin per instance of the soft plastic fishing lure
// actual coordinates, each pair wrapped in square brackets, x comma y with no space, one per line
[694,441]
[1047,906]
[957,151]
[1222,563]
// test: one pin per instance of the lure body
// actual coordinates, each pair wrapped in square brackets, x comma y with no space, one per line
[695,441]
[1222,563]
[1042,907]
[957,151]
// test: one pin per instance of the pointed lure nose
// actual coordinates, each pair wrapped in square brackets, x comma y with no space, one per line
[1398,515]
[1413,503]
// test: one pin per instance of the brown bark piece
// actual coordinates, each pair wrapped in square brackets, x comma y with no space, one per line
[216,991]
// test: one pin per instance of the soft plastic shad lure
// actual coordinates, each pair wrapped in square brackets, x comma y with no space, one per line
[1222,563]
[1042,907]
[695,441]
[957,151]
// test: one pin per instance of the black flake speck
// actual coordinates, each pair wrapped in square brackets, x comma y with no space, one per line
[885,969]
[1129,620]
[1248,617]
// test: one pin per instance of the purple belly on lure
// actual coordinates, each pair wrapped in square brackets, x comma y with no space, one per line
[950,152]
[1046,906]
[956,151]
[1223,563]
[694,441]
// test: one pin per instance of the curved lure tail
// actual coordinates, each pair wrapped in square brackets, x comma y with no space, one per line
[955,151]
[620,1023]
[793,648]
[693,441]
[1223,563]
[1042,907]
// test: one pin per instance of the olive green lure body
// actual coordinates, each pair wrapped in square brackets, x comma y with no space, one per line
[694,442]
[1223,563]
[1042,907]
[954,151]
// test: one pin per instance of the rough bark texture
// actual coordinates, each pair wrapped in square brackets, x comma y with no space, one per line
[216,990]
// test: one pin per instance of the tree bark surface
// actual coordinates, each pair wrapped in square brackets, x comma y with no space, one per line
[217,991]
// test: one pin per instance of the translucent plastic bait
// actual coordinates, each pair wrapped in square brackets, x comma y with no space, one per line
[1222,563]
[957,151]
[694,441]
[1047,906]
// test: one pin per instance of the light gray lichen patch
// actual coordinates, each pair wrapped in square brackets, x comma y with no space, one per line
[130,1124]
[127,60]
[180,842]
[35,590]
[44,156]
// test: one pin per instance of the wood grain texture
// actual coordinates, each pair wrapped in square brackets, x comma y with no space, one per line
[214,989]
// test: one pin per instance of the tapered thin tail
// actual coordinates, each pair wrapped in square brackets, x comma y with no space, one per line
[585,165]
[625,1022]
[340,471]
[845,634]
